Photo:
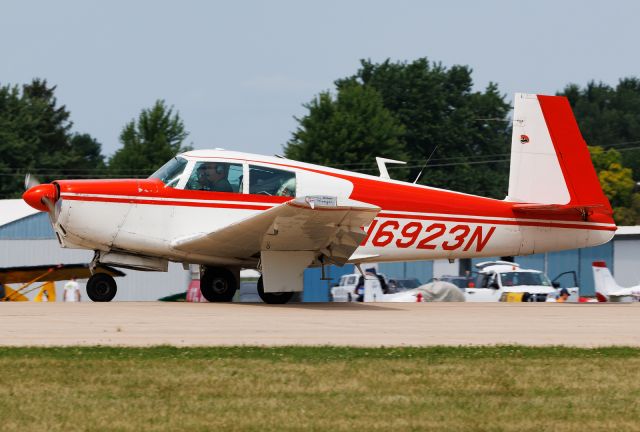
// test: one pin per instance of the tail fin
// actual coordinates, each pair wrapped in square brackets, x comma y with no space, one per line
[550,161]
[603,280]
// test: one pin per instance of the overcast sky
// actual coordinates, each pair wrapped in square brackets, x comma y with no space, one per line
[238,71]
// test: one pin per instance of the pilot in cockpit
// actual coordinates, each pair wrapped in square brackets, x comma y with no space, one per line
[210,176]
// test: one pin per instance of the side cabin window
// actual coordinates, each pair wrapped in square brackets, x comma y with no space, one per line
[216,177]
[271,181]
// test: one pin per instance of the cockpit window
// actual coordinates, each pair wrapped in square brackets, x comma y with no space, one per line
[216,177]
[271,181]
[170,173]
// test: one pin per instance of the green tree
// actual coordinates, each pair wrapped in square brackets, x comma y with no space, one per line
[352,128]
[148,142]
[610,117]
[35,137]
[436,107]
[618,185]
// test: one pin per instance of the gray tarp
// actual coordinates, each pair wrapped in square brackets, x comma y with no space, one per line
[440,291]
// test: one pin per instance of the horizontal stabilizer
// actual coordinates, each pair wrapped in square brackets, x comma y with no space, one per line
[556,209]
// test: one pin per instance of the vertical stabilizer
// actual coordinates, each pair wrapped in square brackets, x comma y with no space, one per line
[604,282]
[550,161]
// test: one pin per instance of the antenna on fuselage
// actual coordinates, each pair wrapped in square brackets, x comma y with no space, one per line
[425,165]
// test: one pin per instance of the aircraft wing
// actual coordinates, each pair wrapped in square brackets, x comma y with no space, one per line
[58,272]
[624,292]
[330,225]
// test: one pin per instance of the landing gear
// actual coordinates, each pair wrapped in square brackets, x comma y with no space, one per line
[101,287]
[218,284]
[273,298]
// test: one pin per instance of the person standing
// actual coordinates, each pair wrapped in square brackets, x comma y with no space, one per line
[71,291]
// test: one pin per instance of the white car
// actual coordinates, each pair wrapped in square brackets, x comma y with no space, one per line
[497,279]
[345,291]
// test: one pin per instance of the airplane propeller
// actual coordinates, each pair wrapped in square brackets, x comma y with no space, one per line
[37,195]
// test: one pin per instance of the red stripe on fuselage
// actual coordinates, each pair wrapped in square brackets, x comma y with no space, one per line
[549,224]
[213,204]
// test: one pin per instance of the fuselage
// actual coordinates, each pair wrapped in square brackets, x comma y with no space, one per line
[415,222]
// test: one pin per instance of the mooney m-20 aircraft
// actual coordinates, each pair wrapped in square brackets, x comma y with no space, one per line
[226,211]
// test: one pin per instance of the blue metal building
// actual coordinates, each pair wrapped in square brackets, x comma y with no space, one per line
[622,256]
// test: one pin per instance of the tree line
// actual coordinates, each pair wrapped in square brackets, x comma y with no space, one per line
[37,137]
[414,111]
[418,111]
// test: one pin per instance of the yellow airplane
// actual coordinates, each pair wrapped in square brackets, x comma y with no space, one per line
[48,275]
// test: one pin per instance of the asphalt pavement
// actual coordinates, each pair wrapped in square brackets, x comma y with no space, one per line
[357,324]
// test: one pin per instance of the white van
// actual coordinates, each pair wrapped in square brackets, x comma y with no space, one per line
[345,291]
[496,279]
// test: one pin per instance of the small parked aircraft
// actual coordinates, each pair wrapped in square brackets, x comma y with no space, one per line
[606,287]
[99,279]
[227,210]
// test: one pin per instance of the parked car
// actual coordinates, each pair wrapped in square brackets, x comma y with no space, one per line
[345,291]
[507,281]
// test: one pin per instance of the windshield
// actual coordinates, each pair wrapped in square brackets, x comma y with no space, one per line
[524,278]
[170,173]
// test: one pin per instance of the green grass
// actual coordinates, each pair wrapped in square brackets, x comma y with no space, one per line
[319,388]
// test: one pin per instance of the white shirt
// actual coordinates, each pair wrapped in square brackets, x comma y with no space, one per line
[71,291]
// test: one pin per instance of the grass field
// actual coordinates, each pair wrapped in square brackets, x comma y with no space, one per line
[319,388]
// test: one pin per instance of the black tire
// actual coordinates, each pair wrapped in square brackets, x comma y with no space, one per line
[218,285]
[273,298]
[101,287]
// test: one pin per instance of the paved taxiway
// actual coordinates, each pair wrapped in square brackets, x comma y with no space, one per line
[188,324]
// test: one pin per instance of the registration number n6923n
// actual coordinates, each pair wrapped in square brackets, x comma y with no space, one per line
[428,236]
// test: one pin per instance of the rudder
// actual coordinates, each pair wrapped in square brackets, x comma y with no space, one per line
[550,161]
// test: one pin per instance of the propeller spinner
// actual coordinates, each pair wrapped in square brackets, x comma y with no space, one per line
[40,196]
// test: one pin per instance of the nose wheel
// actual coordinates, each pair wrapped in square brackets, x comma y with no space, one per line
[101,287]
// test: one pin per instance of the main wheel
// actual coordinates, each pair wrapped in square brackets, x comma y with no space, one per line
[275,297]
[218,285]
[101,287]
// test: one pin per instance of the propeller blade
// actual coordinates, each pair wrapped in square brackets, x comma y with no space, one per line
[30,181]
[50,205]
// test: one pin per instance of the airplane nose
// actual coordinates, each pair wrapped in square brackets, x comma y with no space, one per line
[36,195]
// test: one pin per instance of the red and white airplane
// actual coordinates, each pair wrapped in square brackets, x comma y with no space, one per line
[607,289]
[227,210]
